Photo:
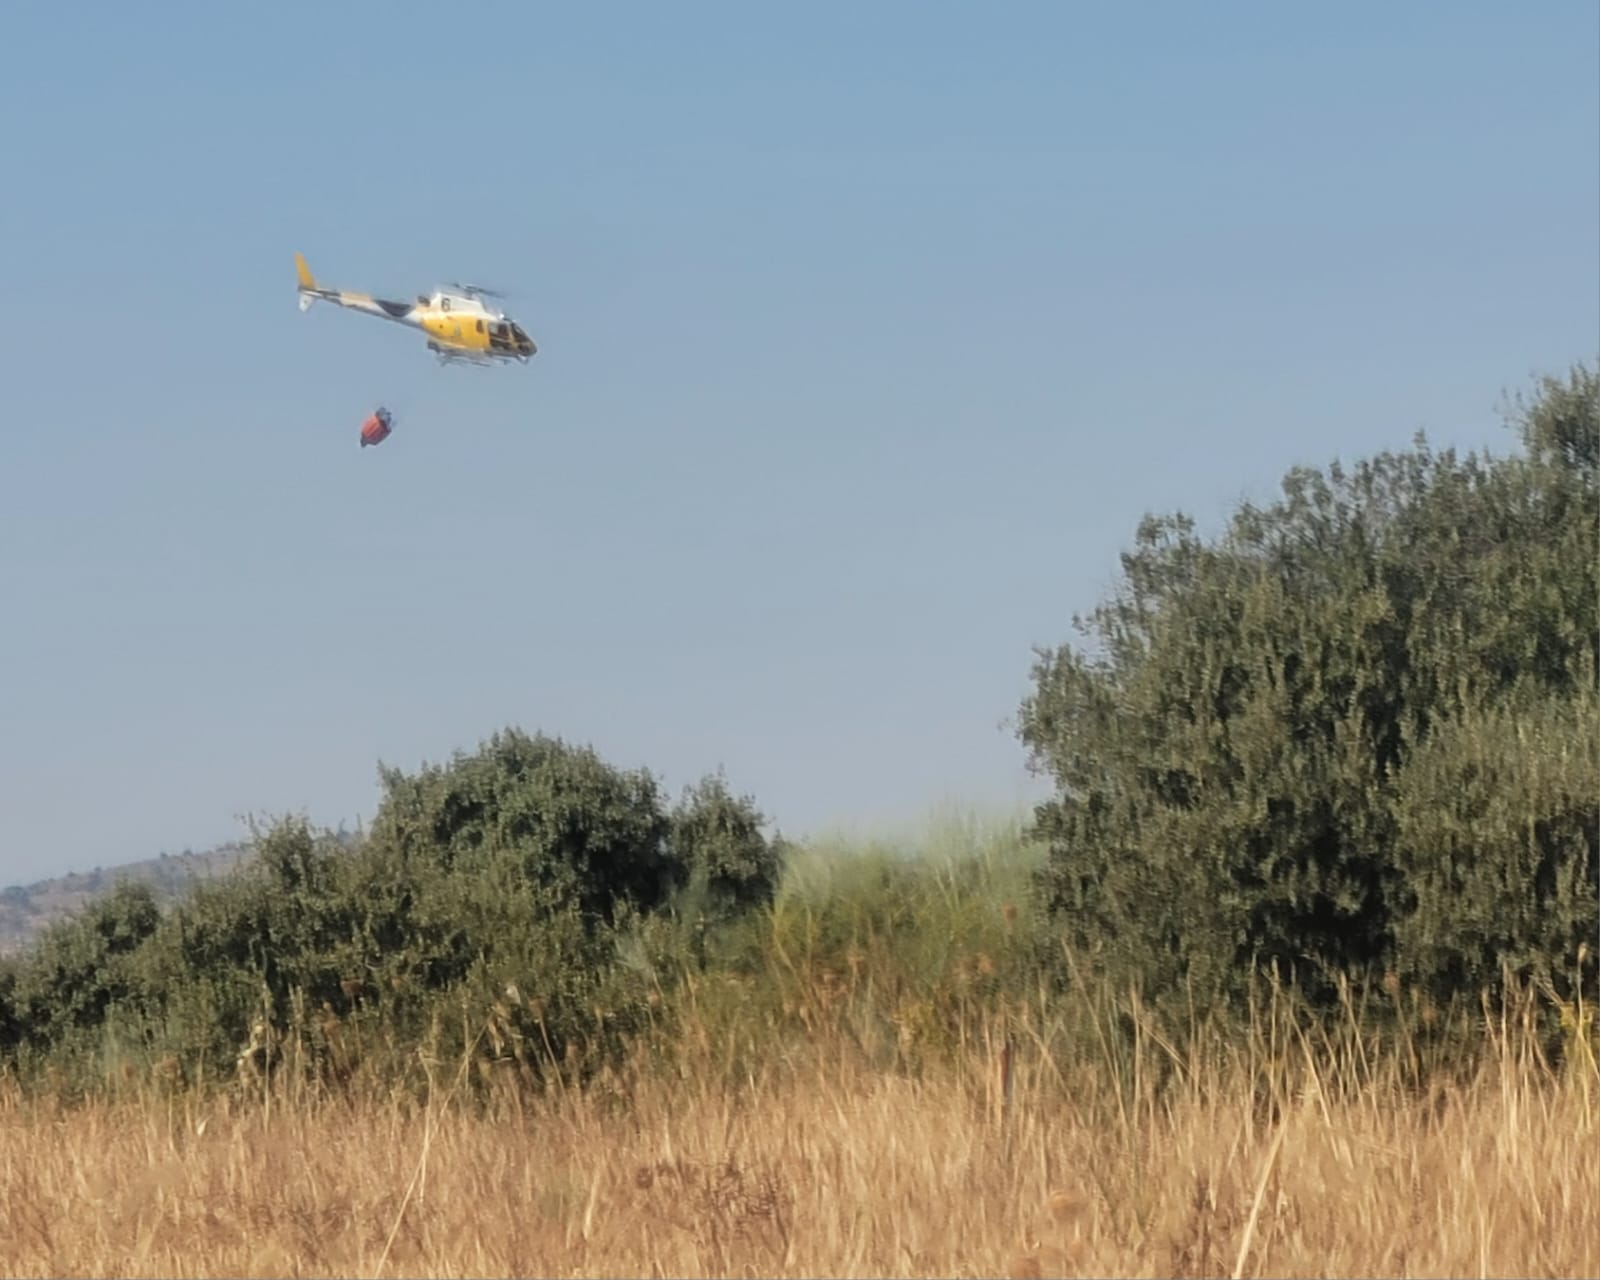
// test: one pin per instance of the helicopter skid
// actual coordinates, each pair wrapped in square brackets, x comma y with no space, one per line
[448,356]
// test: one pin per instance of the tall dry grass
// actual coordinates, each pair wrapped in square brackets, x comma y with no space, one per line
[1288,1153]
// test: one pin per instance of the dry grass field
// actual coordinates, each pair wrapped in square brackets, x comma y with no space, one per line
[1287,1158]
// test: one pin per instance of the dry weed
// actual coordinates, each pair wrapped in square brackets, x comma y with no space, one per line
[846,1173]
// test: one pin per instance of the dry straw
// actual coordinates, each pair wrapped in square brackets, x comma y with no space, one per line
[1299,1154]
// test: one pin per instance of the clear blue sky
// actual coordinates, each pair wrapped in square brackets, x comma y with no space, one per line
[868,333]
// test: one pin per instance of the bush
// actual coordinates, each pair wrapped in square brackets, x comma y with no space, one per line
[534,809]
[1288,738]
[480,916]
[731,866]
[81,969]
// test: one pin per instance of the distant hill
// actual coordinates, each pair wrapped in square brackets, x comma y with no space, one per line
[25,910]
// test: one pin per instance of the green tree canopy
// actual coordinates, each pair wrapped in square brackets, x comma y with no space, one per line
[535,807]
[496,885]
[80,968]
[718,837]
[1357,729]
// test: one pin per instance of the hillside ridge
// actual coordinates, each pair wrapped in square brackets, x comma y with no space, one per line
[27,910]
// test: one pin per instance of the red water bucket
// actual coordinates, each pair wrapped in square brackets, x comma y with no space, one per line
[375,430]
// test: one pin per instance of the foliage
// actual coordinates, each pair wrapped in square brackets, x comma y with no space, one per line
[11,1026]
[537,810]
[732,866]
[1496,843]
[80,970]
[481,914]
[1293,746]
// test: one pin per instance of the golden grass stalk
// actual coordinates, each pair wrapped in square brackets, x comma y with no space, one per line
[1291,1156]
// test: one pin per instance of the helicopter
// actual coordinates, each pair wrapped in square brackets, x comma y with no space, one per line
[460,327]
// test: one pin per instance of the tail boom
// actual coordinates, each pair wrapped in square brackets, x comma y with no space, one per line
[310,291]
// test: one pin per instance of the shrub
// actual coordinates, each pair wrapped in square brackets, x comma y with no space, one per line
[1287,742]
